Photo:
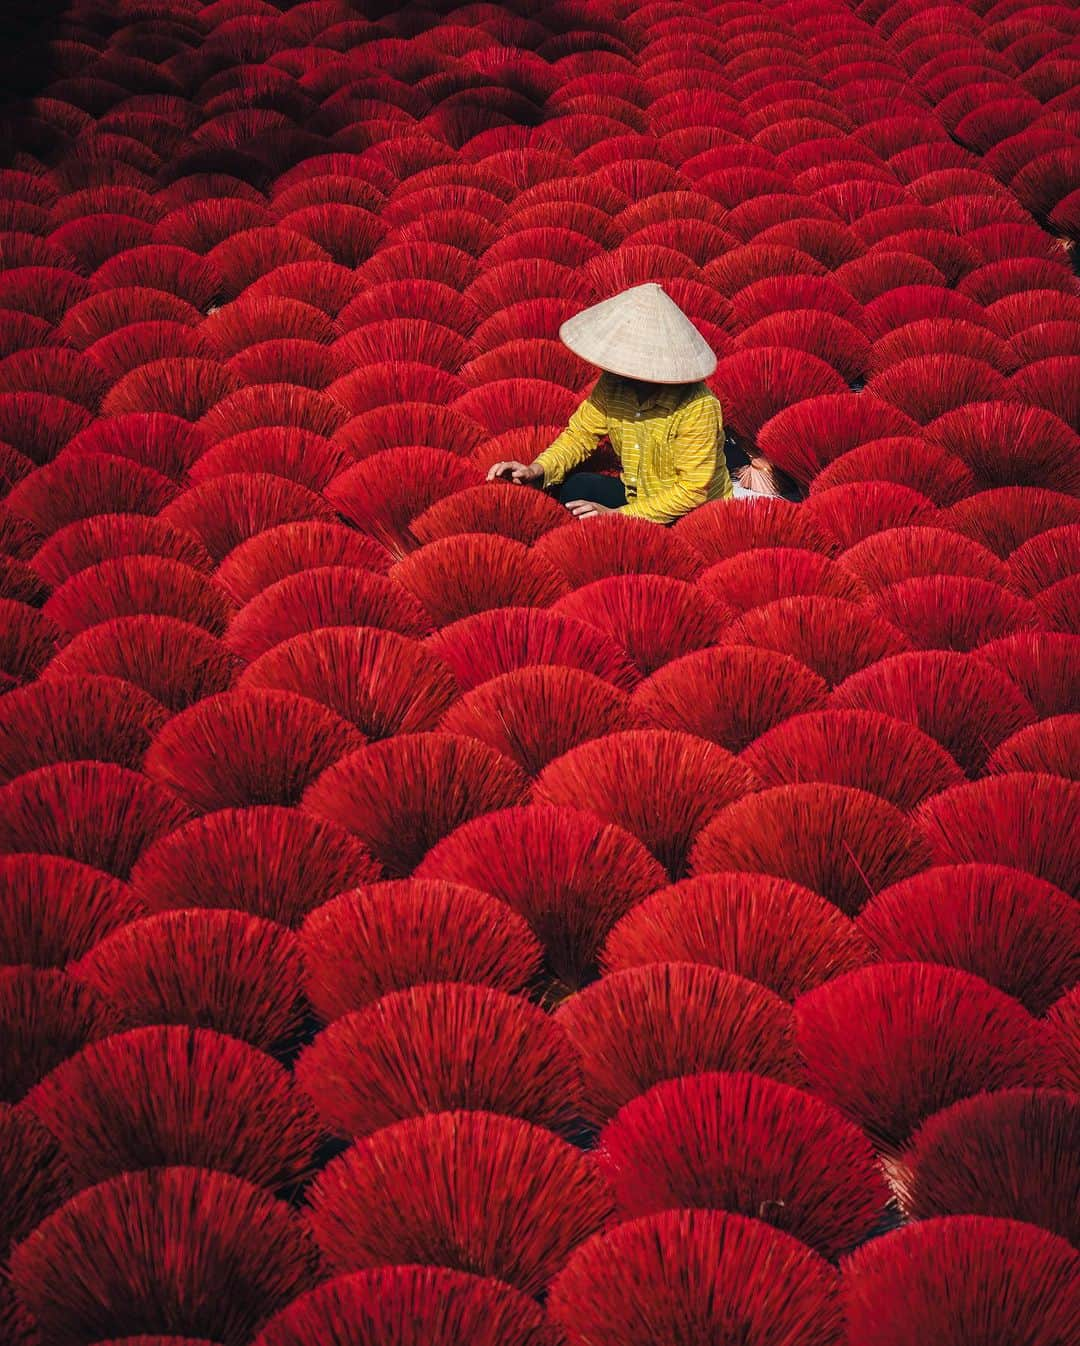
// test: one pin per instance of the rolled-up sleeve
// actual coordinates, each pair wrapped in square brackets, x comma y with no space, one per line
[700,470]
[586,428]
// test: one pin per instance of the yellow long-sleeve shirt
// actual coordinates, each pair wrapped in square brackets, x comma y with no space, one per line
[670,447]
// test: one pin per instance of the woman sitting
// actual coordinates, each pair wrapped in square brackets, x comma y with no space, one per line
[650,403]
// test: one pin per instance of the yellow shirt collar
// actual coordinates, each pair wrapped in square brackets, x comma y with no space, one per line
[664,396]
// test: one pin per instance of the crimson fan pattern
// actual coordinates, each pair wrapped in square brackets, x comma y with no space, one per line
[428,919]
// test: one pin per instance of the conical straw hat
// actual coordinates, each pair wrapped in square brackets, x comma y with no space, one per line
[640,334]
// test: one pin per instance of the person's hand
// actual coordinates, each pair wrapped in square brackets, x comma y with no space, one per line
[521,474]
[587,509]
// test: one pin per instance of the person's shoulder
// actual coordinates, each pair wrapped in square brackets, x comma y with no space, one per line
[698,397]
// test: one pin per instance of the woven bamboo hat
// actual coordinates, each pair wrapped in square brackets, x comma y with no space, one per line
[640,334]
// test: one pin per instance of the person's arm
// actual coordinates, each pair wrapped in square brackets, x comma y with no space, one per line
[697,440]
[586,428]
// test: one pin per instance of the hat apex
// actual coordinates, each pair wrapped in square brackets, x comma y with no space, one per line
[640,334]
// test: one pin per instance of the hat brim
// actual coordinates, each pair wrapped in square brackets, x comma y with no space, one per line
[644,369]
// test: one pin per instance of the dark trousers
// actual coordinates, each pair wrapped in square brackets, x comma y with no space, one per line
[592,486]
